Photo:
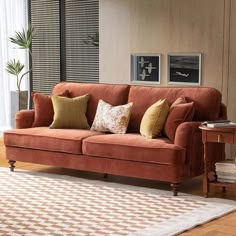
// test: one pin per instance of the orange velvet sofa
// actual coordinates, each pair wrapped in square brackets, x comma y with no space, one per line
[127,154]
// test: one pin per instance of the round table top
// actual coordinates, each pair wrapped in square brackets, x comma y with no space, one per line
[219,129]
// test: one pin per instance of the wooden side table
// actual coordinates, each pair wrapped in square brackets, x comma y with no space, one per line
[215,135]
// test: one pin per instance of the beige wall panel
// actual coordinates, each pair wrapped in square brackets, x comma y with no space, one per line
[150,30]
[114,46]
[161,26]
[225,76]
[198,27]
[232,65]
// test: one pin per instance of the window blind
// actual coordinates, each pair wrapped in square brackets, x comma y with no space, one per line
[45,18]
[59,49]
[81,21]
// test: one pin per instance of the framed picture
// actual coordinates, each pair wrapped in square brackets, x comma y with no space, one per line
[184,68]
[145,68]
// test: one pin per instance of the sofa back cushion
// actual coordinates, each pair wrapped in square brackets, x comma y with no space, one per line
[207,101]
[112,94]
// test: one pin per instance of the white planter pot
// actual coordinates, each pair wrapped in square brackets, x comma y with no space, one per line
[19,101]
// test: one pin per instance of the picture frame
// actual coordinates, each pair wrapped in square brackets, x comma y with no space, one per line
[145,68]
[184,68]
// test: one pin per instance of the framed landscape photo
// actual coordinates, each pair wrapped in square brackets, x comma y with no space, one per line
[145,68]
[184,68]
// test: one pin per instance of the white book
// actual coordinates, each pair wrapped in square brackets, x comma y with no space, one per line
[226,167]
[226,177]
[227,170]
[226,173]
[226,163]
[225,125]
[215,121]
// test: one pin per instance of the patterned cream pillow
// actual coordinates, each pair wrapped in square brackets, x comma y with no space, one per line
[114,119]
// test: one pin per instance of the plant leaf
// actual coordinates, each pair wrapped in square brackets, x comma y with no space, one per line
[23,39]
[14,67]
[92,39]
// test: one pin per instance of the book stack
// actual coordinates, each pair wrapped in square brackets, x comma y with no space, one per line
[226,171]
[219,124]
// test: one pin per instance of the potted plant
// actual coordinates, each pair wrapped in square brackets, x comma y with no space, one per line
[19,98]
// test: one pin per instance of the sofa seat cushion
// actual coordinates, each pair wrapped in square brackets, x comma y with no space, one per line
[134,147]
[44,138]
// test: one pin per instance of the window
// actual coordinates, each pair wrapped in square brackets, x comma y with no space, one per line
[81,22]
[45,18]
[60,48]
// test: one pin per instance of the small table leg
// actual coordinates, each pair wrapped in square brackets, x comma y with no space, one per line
[205,176]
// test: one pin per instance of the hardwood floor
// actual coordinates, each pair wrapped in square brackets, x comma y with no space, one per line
[225,225]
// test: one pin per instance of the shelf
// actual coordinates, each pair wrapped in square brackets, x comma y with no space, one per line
[216,135]
[222,184]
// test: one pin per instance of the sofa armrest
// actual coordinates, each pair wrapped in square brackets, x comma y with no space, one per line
[223,112]
[24,119]
[185,133]
[189,136]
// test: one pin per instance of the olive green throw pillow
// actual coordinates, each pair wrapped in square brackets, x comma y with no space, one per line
[70,113]
[154,119]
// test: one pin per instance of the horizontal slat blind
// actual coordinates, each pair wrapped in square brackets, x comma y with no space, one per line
[82,60]
[45,17]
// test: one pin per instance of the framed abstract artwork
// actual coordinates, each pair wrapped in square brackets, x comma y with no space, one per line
[184,68]
[145,68]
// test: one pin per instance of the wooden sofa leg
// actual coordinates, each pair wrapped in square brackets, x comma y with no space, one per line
[175,187]
[11,163]
[105,176]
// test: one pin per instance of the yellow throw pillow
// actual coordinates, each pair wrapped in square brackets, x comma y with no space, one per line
[154,119]
[70,113]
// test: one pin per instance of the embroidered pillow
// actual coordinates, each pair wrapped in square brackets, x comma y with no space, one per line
[43,109]
[154,118]
[114,119]
[178,114]
[70,113]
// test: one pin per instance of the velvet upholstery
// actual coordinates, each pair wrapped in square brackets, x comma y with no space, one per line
[112,94]
[188,136]
[98,164]
[24,119]
[43,108]
[70,113]
[42,103]
[134,147]
[177,115]
[154,119]
[122,154]
[207,101]
[44,138]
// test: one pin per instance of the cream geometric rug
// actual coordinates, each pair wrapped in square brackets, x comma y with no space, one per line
[34,204]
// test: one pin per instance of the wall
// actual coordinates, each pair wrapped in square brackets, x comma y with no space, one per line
[162,26]
[230,84]
[231,88]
